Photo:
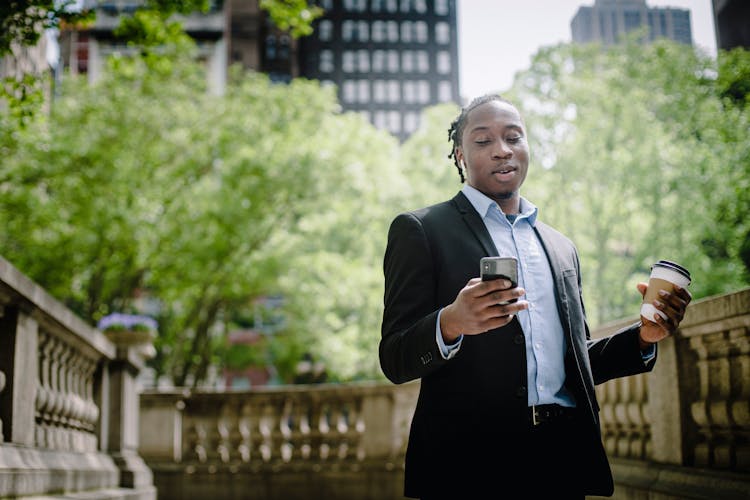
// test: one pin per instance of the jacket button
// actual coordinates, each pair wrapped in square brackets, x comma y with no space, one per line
[518,339]
[521,391]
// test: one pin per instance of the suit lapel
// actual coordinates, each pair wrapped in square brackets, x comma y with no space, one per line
[557,265]
[475,223]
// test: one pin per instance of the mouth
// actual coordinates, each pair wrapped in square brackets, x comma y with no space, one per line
[504,173]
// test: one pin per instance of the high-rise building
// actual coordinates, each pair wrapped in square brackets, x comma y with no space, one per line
[389,59]
[607,21]
[732,23]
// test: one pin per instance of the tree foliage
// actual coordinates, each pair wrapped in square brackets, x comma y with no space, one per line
[147,184]
[641,153]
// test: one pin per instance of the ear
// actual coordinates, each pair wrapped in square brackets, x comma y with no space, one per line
[459,154]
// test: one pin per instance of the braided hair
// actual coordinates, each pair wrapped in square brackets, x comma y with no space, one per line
[457,126]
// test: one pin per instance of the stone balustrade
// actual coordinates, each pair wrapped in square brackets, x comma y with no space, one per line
[679,432]
[683,430]
[68,405]
[318,441]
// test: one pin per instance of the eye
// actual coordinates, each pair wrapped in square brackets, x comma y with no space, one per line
[514,139]
[482,142]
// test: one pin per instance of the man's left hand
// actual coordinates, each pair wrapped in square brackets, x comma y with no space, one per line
[673,305]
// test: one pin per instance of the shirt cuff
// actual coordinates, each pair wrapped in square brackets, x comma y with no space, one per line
[648,354]
[446,350]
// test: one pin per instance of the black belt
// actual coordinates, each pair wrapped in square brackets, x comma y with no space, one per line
[543,414]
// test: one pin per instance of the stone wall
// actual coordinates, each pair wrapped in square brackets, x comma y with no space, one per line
[68,406]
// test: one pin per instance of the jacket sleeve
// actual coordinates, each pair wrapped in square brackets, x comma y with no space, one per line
[408,347]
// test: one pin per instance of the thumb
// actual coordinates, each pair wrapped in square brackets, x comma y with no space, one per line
[642,287]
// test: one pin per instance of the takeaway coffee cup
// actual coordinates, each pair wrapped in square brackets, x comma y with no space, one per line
[664,275]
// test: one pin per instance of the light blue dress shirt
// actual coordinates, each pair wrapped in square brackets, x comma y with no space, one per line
[545,339]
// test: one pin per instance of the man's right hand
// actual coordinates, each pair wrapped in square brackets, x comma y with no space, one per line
[479,307]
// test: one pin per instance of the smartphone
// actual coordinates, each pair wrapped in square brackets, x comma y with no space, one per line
[493,268]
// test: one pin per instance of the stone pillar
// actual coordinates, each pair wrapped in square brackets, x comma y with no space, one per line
[18,361]
[122,433]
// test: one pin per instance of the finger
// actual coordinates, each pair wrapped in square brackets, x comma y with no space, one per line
[683,293]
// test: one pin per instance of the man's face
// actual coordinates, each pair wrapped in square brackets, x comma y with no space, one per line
[495,151]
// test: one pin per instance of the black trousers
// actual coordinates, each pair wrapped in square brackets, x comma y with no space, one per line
[545,469]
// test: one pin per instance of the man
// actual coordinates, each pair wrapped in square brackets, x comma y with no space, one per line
[507,401]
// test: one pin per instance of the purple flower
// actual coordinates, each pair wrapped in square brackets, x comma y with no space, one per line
[122,321]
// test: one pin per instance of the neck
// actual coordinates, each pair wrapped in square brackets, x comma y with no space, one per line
[509,203]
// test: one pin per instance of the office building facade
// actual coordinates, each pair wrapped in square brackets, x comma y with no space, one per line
[732,23]
[607,21]
[389,59]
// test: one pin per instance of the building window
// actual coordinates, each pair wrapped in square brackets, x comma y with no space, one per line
[443,62]
[379,91]
[326,4]
[410,92]
[407,61]
[354,30]
[406,31]
[380,119]
[423,91]
[423,61]
[378,61]
[419,6]
[325,65]
[348,91]
[392,31]
[378,31]
[363,90]
[270,48]
[394,92]
[325,30]
[394,122]
[411,122]
[393,61]
[284,43]
[442,33]
[347,61]
[363,31]
[391,5]
[445,91]
[355,5]
[363,61]
[420,32]
[441,7]
[346,30]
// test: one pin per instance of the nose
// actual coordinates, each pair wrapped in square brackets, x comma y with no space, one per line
[501,150]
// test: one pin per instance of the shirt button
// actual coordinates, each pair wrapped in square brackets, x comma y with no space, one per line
[518,339]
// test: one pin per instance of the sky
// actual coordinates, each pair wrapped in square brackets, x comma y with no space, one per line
[497,38]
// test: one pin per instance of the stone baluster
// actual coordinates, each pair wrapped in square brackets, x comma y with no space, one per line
[723,361]
[224,429]
[244,427]
[199,443]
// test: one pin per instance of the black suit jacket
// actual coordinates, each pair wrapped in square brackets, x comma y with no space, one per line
[475,404]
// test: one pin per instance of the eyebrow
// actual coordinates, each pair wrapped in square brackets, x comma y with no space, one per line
[481,128]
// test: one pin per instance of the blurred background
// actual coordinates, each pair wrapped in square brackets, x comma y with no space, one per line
[230,168]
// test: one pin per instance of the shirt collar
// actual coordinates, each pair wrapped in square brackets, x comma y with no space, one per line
[482,204]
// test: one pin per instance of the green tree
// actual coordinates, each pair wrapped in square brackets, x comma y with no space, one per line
[631,146]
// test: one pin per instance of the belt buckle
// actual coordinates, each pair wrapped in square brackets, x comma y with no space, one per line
[534,413]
